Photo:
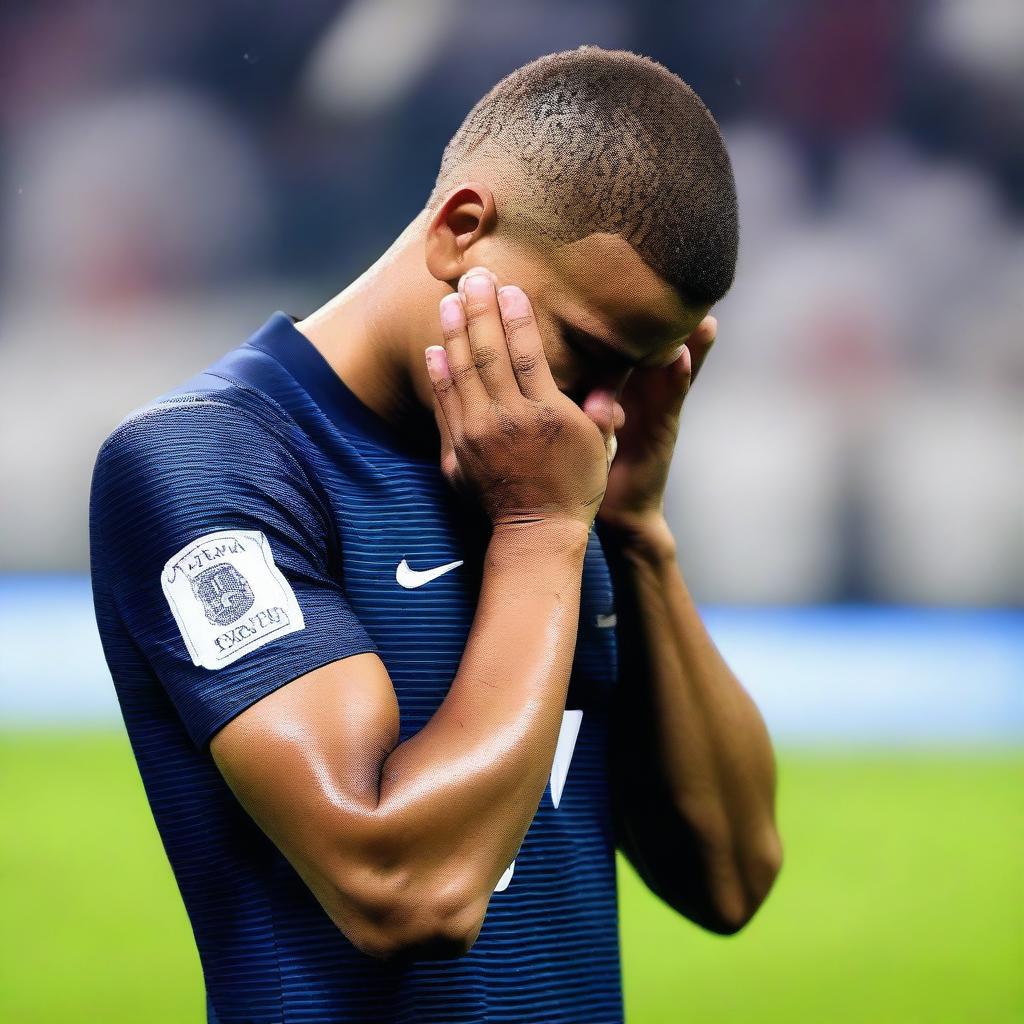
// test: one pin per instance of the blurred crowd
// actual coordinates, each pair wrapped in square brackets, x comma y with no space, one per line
[172,174]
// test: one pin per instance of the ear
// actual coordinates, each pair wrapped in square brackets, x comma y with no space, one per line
[465,219]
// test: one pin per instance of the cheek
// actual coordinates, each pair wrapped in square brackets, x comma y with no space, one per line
[567,368]
[565,364]
[560,361]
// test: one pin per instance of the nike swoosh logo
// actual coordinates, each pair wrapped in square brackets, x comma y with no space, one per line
[413,578]
[505,878]
[564,748]
[567,736]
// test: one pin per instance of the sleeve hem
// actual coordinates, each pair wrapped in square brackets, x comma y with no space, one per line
[203,731]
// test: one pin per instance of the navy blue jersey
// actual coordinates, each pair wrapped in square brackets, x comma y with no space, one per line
[260,522]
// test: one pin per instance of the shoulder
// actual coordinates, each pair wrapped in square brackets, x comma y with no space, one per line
[200,455]
[195,417]
[226,431]
[184,474]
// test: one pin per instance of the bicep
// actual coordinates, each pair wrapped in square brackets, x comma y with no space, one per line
[304,762]
[310,752]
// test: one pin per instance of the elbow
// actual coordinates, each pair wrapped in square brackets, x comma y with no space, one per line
[402,919]
[433,936]
[440,940]
[738,902]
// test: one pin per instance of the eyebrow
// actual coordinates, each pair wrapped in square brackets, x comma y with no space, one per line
[622,353]
[622,356]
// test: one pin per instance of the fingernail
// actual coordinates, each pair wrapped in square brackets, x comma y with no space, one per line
[513,301]
[453,316]
[475,270]
[437,360]
[478,285]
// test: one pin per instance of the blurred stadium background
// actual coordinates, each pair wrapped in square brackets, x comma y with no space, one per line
[848,492]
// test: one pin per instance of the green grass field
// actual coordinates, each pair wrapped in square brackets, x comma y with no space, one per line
[900,900]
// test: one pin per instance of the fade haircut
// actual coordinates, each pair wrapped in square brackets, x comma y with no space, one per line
[593,140]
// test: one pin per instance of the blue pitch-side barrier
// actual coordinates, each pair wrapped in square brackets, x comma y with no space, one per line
[827,675]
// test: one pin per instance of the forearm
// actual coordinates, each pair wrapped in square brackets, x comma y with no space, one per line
[467,786]
[707,744]
[403,844]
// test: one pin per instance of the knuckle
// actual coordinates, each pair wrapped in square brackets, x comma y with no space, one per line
[549,423]
[442,386]
[460,371]
[485,357]
[508,425]
[515,325]
[450,465]
[475,310]
[526,363]
[474,430]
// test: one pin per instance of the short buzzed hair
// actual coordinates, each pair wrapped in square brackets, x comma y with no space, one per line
[608,141]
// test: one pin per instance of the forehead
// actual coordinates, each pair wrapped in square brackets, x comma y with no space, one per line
[607,280]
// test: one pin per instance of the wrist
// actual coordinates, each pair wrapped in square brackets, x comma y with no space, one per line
[541,537]
[647,537]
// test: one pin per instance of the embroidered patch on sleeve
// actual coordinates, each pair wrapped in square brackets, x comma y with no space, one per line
[228,597]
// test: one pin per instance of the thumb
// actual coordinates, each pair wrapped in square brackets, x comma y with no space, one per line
[600,407]
[682,374]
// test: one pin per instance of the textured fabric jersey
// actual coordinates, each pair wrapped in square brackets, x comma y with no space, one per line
[248,528]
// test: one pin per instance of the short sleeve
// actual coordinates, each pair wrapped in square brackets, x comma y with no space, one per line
[214,543]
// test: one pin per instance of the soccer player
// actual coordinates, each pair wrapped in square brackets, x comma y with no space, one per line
[397,627]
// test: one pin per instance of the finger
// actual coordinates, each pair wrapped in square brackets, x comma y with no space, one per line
[461,286]
[487,335]
[443,394]
[699,343]
[460,364]
[683,370]
[529,362]
[600,405]
[447,409]
[618,417]
[448,461]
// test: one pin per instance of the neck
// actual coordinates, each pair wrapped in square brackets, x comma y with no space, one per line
[374,332]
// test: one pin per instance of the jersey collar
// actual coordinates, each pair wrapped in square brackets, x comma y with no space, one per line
[280,339]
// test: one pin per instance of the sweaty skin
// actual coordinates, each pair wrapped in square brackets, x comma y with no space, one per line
[403,845]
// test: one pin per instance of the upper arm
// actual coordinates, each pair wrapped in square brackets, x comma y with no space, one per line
[215,546]
[305,764]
